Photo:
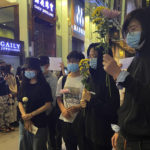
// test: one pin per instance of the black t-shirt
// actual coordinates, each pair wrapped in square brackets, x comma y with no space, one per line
[37,96]
[4,89]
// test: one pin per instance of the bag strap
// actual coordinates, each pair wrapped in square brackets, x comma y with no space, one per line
[64,81]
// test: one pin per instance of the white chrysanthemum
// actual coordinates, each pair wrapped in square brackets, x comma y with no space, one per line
[25,99]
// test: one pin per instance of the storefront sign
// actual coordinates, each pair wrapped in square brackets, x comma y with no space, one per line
[78,19]
[8,45]
[46,7]
[78,29]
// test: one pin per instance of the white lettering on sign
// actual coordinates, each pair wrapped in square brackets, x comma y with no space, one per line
[47,13]
[51,7]
[80,17]
[37,1]
[45,7]
[78,29]
[38,7]
[42,3]
[10,46]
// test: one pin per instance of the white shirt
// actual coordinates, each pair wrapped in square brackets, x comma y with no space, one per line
[71,98]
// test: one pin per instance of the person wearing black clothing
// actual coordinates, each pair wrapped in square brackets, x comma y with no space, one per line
[134,114]
[19,74]
[4,97]
[34,99]
[101,111]
[54,134]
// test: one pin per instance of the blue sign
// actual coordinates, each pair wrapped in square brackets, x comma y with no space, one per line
[79,16]
[78,25]
[10,46]
[44,6]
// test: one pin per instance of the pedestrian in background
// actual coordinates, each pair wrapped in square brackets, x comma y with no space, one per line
[4,100]
[54,140]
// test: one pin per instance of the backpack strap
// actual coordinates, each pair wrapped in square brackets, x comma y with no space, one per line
[64,81]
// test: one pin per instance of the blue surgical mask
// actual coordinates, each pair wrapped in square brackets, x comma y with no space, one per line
[73,67]
[29,74]
[93,63]
[133,39]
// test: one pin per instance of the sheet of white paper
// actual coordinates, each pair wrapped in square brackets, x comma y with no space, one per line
[55,63]
[34,129]
[126,62]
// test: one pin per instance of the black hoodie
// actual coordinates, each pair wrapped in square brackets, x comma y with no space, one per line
[101,111]
[134,115]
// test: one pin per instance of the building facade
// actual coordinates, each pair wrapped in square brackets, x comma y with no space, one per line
[11,46]
[56,27]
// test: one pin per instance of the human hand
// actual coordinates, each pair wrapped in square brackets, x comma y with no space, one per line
[66,113]
[62,66]
[6,77]
[114,140]
[120,65]
[27,116]
[110,66]
[73,109]
[83,103]
[28,125]
[10,95]
[86,95]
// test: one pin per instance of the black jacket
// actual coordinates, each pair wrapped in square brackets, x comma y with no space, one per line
[4,89]
[134,115]
[100,113]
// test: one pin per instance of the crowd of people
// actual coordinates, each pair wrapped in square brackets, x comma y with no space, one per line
[52,108]
[8,98]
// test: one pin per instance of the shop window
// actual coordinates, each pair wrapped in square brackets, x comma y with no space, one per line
[9,27]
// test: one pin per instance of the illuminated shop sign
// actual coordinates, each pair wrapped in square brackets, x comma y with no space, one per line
[79,17]
[44,6]
[79,20]
[78,29]
[10,46]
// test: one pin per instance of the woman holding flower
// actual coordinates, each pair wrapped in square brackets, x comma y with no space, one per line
[34,99]
[100,108]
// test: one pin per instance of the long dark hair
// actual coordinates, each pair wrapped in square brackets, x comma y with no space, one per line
[141,15]
[19,72]
[40,79]
[98,75]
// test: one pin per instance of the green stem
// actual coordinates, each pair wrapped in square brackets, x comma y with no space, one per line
[108,84]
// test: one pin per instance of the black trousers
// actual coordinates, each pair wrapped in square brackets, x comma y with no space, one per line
[132,145]
[54,132]
[69,136]
[89,145]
